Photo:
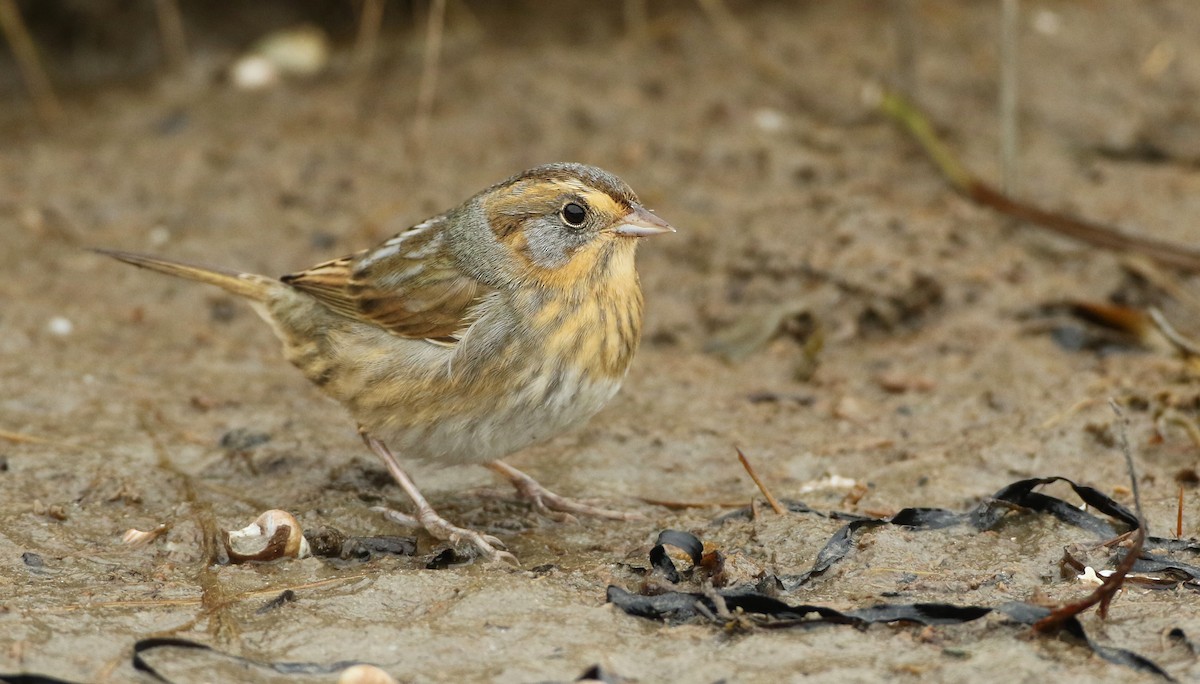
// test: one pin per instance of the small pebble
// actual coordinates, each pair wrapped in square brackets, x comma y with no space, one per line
[301,50]
[365,674]
[60,326]
[287,596]
[770,120]
[159,236]
[297,51]
[253,72]
[1046,22]
[243,439]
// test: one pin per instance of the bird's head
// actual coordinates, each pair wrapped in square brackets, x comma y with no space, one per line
[569,223]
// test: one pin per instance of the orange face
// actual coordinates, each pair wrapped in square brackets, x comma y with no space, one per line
[567,231]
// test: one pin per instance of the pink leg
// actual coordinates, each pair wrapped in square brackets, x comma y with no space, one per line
[548,503]
[428,518]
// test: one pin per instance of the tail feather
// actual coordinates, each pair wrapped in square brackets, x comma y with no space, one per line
[248,285]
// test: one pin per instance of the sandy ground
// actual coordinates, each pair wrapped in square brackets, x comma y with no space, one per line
[937,384]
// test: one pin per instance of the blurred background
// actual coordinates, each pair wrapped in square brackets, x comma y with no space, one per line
[873,329]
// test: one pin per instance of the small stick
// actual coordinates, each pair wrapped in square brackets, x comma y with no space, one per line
[1179,515]
[636,21]
[739,38]
[429,74]
[1095,234]
[170,27]
[1173,335]
[710,592]
[45,102]
[22,438]
[1173,417]
[684,505]
[1103,595]
[195,600]
[905,29]
[1010,14]
[368,33]
[761,487]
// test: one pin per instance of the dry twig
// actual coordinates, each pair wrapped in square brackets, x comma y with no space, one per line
[1179,515]
[1103,595]
[45,102]
[170,28]
[1010,52]
[636,19]
[1095,234]
[904,26]
[429,74]
[761,487]
[368,33]
[1173,336]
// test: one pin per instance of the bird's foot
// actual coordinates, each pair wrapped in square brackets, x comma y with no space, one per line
[488,546]
[551,505]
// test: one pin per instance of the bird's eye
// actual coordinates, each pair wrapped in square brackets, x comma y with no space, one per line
[573,214]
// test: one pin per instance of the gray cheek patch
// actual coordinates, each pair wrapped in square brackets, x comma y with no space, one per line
[549,245]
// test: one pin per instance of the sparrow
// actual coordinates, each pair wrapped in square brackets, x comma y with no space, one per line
[493,326]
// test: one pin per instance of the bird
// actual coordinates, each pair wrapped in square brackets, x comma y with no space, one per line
[496,325]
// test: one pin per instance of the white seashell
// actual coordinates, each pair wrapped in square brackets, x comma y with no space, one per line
[253,72]
[60,326]
[365,674]
[300,51]
[1089,576]
[139,538]
[834,481]
[275,534]
[769,120]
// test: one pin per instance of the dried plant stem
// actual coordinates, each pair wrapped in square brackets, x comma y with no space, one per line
[1010,14]
[367,39]
[22,438]
[45,102]
[1179,515]
[1009,55]
[170,28]
[734,34]
[761,487]
[1103,595]
[196,600]
[429,74]
[637,19]
[904,27]
[1095,234]
[1173,335]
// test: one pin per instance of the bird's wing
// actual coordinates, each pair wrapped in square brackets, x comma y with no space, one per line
[409,285]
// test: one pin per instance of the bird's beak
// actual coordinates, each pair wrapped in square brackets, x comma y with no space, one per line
[639,222]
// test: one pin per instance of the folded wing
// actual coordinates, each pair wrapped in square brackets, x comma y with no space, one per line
[409,285]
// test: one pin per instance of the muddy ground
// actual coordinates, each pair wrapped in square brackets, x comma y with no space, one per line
[938,383]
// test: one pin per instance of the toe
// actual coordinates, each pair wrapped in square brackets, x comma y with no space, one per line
[493,541]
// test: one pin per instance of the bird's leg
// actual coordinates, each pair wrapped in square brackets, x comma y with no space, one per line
[428,518]
[548,503]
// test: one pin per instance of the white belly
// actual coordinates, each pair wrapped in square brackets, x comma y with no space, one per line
[537,413]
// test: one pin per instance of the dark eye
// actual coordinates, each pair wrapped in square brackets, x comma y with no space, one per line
[573,214]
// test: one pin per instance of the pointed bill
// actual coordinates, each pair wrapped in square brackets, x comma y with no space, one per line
[639,222]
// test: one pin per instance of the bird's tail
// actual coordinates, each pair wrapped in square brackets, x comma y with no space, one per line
[248,285]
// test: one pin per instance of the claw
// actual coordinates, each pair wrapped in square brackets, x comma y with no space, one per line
[488,546]
[553,506]
[428,518]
